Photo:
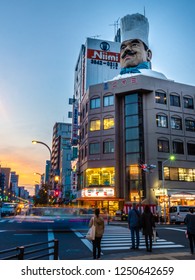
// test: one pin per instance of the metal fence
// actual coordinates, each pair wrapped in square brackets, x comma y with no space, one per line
[35,251]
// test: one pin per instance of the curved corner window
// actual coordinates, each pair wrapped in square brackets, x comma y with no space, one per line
[178,147]
[176,123]
[160,97]
[175,100]
[191,149]
[108,147]
[188,102]
[108,100]
[161,121]
[108,123]
[94,148]
[190,125]
[95,103]
[94,125]
[163,145]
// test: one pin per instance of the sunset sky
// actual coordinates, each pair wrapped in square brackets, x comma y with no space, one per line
[40,42]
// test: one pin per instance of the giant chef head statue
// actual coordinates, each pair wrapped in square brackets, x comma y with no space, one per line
[134,52]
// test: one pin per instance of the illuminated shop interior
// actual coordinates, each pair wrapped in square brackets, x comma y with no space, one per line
[100,176]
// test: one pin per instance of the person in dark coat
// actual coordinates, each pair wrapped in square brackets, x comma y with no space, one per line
[134,226]
[190,222]
[148,223]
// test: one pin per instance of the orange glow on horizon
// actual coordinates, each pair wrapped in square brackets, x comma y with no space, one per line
[24,168]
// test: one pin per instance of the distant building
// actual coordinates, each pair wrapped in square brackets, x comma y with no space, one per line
[7,172]
[23,193]
[14,183]
[47,171]
[61,158]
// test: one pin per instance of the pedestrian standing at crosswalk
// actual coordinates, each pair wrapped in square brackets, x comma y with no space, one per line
[134,226]
[148,224]
[190,222]
[99,231]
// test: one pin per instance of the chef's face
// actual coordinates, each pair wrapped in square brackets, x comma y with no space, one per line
[133,52]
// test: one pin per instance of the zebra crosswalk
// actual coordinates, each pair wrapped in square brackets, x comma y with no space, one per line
[7,221]
[118,238]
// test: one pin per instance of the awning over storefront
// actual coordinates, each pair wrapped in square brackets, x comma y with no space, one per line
[183,195]
[99,199]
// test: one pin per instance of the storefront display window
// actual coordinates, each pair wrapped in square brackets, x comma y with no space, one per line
[100,176]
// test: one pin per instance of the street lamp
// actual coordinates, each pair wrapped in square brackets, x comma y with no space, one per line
[41,176]
[171,158]
[37,173]
[42,143]
[39,142]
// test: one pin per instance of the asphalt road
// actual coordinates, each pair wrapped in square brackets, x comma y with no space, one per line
[24,230]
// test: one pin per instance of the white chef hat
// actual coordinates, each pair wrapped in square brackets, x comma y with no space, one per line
[135,26]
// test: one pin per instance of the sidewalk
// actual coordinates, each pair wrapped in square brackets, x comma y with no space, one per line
[158,254]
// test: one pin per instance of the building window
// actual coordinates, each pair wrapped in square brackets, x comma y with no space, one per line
[94,125]
[176,123]
[161,121]
[190,125]
[86,107]
[131,121]
[108,123]
[95,103]
[163,146]
[86,128]
[191,149]
[132,146]
[188,102]
[187,175]
[85,150]
[101,177]
[175,100]
[178,147]
[132,133]
[108,100]
[108,147]
[94,148]
[160,97]
[180,174]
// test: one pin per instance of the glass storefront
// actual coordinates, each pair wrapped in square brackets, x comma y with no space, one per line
[100,177]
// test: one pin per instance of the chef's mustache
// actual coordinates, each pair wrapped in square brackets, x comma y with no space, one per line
[127,52]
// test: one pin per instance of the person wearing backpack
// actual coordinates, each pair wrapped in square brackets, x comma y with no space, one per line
[134,226]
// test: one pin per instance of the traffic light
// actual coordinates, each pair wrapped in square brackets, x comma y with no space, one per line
[57,193]
[144,167]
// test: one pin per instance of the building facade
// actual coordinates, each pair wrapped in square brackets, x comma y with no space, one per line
[61,159]
[130,123]
[98,61]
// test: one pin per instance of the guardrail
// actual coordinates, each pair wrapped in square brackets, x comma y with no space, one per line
[25,252]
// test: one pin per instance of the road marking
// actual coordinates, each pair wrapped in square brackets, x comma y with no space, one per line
[78,234]
[22,234]
[177,229]
[122,241]
[87,243]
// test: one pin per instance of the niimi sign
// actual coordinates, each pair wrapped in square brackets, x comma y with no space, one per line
[102,55]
